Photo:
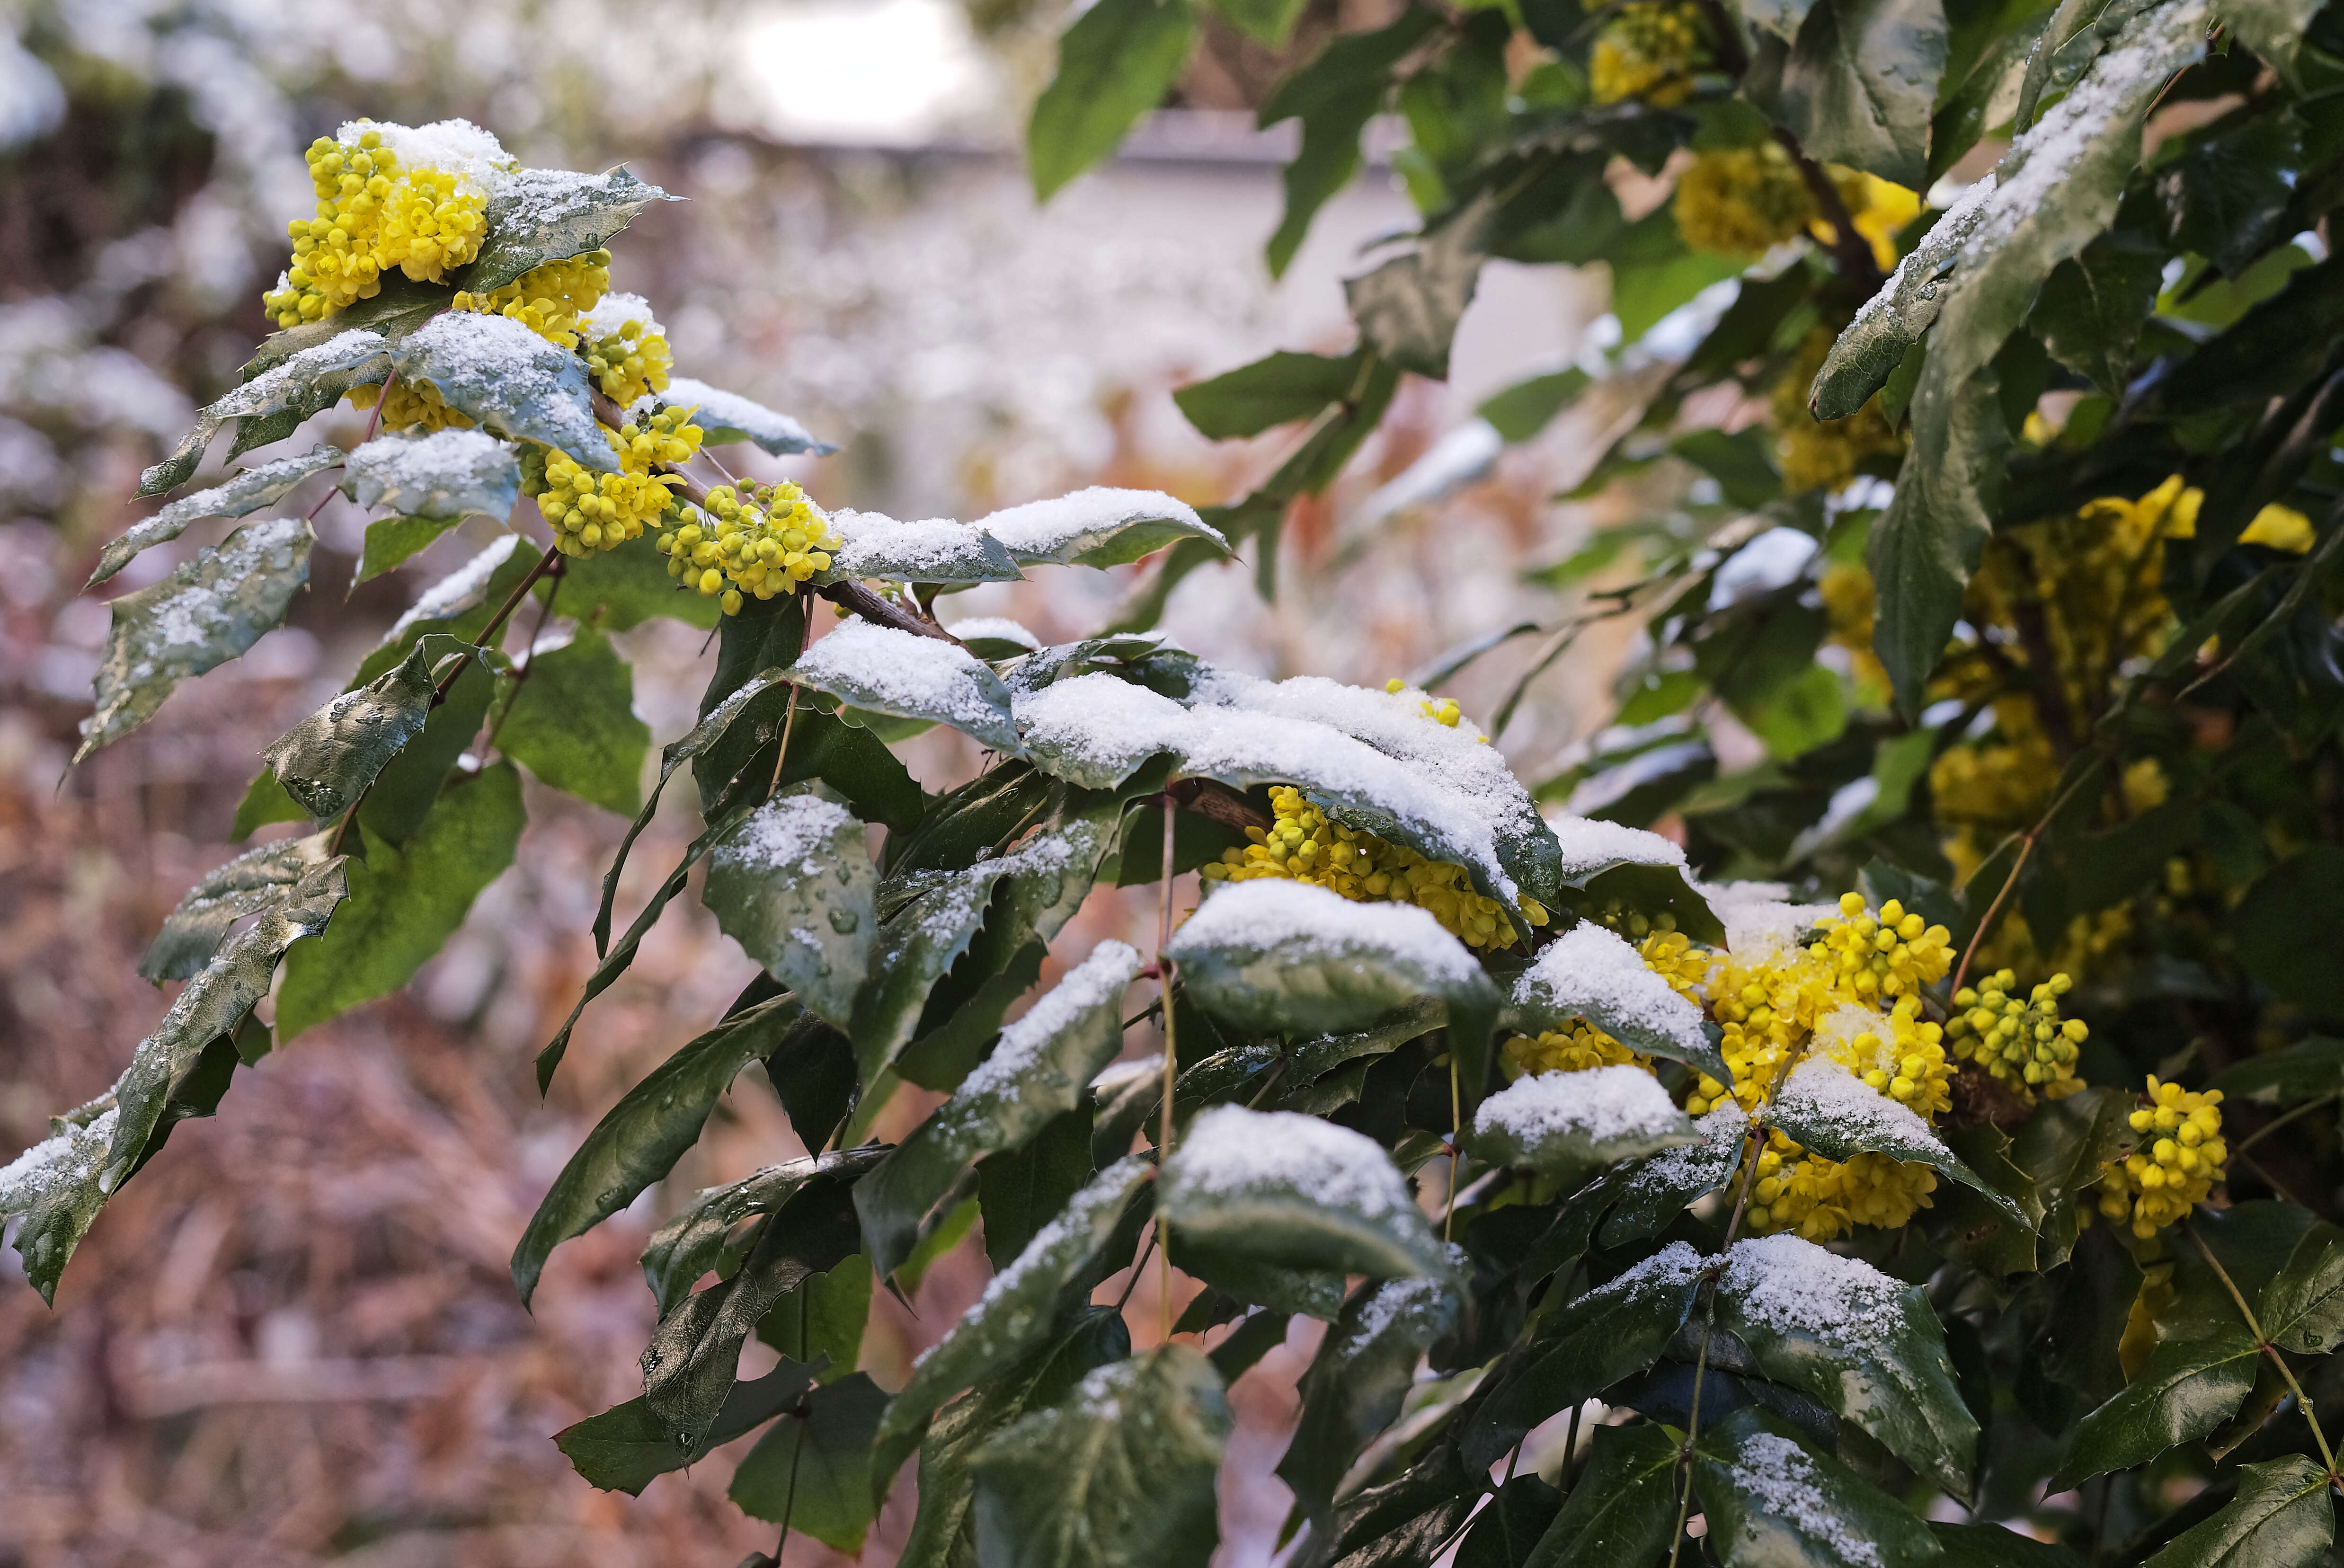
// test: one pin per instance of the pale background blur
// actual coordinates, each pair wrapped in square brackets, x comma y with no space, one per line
[293,1339]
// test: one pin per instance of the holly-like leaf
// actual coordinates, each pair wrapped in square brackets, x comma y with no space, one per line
[2302,1309]
[2187,1387]
[638,1142]
[1273,955]
[1832,1112]
[794,886]
[824,1317]
[1120,1474]
[879,670]
[1274,390]
[1293,1190]
[1096,527]
[1335,96]
[2091,307]
[1857,83]
[1015,1315]
[509,381]
[280,394]
[811,1472]
[942,1531]
[2273,29]
[1566,1125]
[208,611]
[1622,1509]
[1593,974]
[1355,1385]
[1998,1546]
[1587,1345]
[725,417]
[1115,63]
[449,474]
[540,215]
[1771,1500]
[619,590]
[1409,307]
[2281,1517]
[406,900]
[1042,1067]
[1864,1344]
[250,883]
[265,484]
[53,1185]
[328,760]
[1652,1191]
[626,1448]
[935,550]
[571,723]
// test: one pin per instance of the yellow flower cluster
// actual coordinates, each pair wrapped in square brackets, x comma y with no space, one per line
[1910,1065]
[1303,845]
[1445,713]
[409,405]
[1849,604]
[372,215]
[630,362]
[1892,957]
[2179,1157]
[548,298]
[588,510]
[1745,201]
[763,544]
[1649,51]
[1824,454]
[2025,1045]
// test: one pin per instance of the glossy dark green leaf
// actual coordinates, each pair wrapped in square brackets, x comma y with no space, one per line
[1772,1501]
[1567,1124]
[1016,1314]
[406,901]
[1857,82]
[54,1186]
[626,1448]
[538,215]
[572,724]
[1335,96]
[619,590]
[1585,1346]
[811,1472]
[209,610]
[252,882]
[2225,193]
[1019,1190]
[2281,1517]
[1296,1191]
[2304,1071]
[1998,1546]
[240,495]
[392,540]
[411,782]
[1120,1474]
[638,1142]
[2293,896]
[2187,1387]
[824,1318]
[1864,1344]
[1400,1523]
[1652,1191]
[306,371]
[1286,1292]
[328,759]
[1115,63]
[1275,390]
[2303,1310]
[942,1531]
[1355,1385]
[2273,29]
[2092,306]
[1621,1509]
[794,886]
[265,801]
[1831,1111]
[1042,1069]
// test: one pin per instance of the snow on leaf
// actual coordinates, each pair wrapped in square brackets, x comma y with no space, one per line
[449,474]
[538,215]
[314,378]
[1565,1124]
[1593,974]
[884,670]
[936,550]
[1096,527]
[724,416]
[794,886]
[510,380]
[238,496]
[204,613]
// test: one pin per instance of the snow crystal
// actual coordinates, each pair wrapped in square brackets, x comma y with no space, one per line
[998,629]
[1425,1298]
[1232,1150]
[1103,723]
[1837,1031]
[1758,916]
[502,374]
[1782,1480]
[1599,1104]
[1596,974]
[1296,920]
[1673,1266]
[1820,1090]
[458,146]
[1047,527]
[1083,1213]
[1095,982]
[614,311]
[1589,844]
[54,1162]
[1791,1285]
[932,549]
[1709,1162]
[793,830]
[403,471]
[200,613]
[923,677]
[458,592]
[718,410]
[268,391]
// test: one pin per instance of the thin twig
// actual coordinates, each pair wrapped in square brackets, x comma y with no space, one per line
[536,633]
[1133,1283]
[1163,980]
[790,718]
[2302,1399]
[2272,1125]
[1456,1135]
[1986,922]
[374,420]
[1850,250]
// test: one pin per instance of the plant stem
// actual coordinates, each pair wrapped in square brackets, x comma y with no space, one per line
[544,614]
[2302,1399]
[2268,1128]
[1692,1426]
[1136,1270]
[1171,1056]
[790,716]
[1986,922]
[545,563]
[374,420]
[1456,1133]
